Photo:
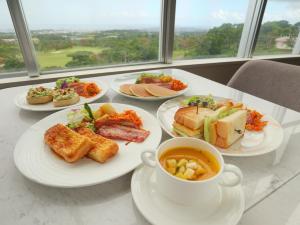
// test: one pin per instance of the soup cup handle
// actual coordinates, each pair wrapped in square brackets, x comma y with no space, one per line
[148,158]
[232,181]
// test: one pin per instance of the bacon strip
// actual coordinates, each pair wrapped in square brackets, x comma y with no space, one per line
[123,133]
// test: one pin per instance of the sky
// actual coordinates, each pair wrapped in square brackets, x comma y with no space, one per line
[140,14]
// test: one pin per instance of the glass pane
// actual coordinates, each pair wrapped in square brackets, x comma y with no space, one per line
[70,34]
[11,59]
[279,29]
[207,29]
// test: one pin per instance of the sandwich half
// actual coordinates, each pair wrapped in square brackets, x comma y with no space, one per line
[225,127]
[187,122]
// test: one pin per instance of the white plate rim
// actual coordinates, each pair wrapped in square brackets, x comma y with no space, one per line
[103,85]
[149,218]
[115,87]
[28,176]
[223,152]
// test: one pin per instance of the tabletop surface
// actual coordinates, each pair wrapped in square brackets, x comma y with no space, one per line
[271,181]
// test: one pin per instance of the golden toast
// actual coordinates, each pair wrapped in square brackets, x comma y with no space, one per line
[103,149]
[68,144]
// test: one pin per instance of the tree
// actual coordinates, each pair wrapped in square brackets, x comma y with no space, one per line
[82,58]
[13,63]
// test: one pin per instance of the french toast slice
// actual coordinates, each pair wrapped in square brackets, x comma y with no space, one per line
[103,149]
[68,144]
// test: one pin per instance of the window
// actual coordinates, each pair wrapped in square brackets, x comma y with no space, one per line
[11,59]
[279,29]
[70,34]
[205,29]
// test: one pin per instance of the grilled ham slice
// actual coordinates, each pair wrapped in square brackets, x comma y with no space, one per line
[123,133]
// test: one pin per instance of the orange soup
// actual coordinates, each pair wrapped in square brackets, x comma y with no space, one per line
[189,163]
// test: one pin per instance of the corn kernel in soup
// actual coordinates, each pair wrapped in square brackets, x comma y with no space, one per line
[189,163]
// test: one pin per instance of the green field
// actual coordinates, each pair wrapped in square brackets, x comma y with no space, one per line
[60,57]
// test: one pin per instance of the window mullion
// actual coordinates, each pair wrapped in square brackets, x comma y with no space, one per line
[296,49]
[24,37]
[167,30]
[251,28]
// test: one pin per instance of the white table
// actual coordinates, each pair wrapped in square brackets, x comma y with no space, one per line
[271,182]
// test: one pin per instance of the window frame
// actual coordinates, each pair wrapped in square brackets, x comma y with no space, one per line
[253,20]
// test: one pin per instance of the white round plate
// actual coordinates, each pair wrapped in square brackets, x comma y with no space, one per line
[131,78]
[36,161]
[20,100]
[159,210]
[251,144]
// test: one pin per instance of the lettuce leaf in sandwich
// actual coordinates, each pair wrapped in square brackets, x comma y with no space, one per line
[210,120]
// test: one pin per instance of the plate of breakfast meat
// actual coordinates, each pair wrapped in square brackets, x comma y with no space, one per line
[149,86]
[86,145]
[230,126]
[62,94]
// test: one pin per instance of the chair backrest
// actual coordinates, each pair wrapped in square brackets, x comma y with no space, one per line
[273,81]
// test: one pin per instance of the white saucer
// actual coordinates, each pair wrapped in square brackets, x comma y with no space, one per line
[159,210]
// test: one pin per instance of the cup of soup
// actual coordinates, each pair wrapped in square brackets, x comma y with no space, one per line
[191,171]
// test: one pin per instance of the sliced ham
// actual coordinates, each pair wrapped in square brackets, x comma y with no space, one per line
[139,90]
[165,85]
[125,88]
[108,122]
[158,91]
[123,133]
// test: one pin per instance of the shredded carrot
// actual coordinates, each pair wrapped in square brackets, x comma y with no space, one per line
[129,115]
[177,85]
[86,90]
[254,122]
[90,90]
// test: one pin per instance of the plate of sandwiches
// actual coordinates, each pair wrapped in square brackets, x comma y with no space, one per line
[86,145]
[149,86]
[61,94]
[230,126]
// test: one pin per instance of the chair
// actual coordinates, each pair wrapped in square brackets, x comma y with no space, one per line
[273,81]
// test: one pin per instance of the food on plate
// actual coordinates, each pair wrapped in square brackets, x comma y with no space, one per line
[225,127]
[39,95]
[103,149]
[206,101]
[66,92]
[189,163]
[159,91]
[177,85]
[125,88]
[68,144]
[89,133]
[85,89]
[219,123]
[149,78]
[187,122]
[123,133]
[127,118]
[126,125]
[109,123]
[65,97]
[254,122]
[63,82]
[139,90]
[153,85]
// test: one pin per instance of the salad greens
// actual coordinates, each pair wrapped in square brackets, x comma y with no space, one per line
[81,117]
[160,76]
[62,83]
[89,111]
[202,101]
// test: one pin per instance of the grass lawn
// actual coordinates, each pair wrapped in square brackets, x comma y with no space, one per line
[59,58]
